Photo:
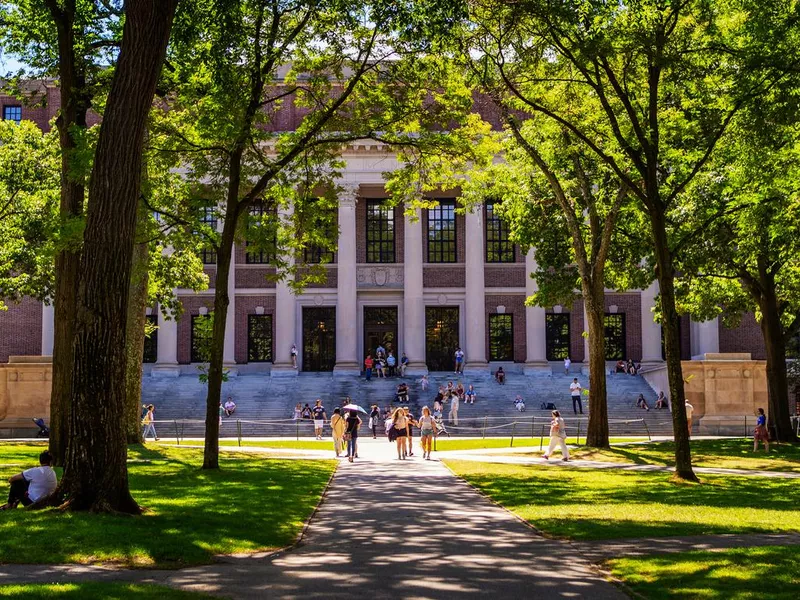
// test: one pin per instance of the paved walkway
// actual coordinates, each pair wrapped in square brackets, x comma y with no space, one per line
[386,529]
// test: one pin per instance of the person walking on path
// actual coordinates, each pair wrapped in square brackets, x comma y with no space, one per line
[352,423]
[399,431]
[368,363]
[149,423]
[427,431]
[410,436]
[374,421]
[319,418]
[689,413]
[337,430]
[452,417]
[558,435]
[761,434]
[575,391]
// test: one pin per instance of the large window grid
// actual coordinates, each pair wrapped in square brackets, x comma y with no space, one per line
[557,336]
[12,113]
[501,337]
[208,217]
[380,232]
[259,338]
[498,247]
[200,343]
[442,232]
[258,214]
[150,354]
[614,326]
[315,254]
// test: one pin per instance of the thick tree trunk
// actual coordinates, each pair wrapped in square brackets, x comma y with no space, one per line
[597,432]
[72,116]
[671,327]
[777,381]
[96,474]
[135,331]
[215,366]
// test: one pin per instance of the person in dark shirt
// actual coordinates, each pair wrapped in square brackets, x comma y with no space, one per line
[352,423]
[306,414]
[319,418]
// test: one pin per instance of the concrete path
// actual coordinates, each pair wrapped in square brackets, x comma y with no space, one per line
[386,529]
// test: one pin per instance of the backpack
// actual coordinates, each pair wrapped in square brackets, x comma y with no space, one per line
[548,406]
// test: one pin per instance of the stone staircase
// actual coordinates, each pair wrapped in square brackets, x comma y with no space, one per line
[265,405]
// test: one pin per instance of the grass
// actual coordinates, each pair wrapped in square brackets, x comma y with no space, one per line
[444,443]
[251,504]
[326,444]
[107,591]
[737,574]
[587,504]
[728,454]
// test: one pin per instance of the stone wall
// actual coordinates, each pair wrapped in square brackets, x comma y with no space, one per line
[25,383]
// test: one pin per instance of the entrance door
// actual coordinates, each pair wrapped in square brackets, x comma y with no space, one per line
[441,337]
[319,338]
[380,328]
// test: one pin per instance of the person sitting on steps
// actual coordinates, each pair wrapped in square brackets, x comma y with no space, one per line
[500,376]
[661,401]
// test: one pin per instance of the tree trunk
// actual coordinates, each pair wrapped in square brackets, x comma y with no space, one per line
[135,331]
[671,327]
[597,432]
[96,474]
[72,115]
[777,381]
[215,366]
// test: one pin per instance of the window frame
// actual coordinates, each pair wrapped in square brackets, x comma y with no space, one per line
[443,251]
[383,217]
[17,108]
[494,344]
[497,244]
[150,348]
[251,319]
[623,335]
[207,217]
[550,346]
[193,357]
[261,257]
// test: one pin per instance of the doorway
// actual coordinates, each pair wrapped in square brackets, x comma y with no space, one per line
[380,328]
[441,337]
[319,338]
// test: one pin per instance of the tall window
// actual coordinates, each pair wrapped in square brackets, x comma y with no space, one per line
[208,217]
[442,232]
[151,341]
[501,337]
[498,247]
[380,232]
[557,336]
[202,326]
[325,223]
[12,113]
[260,215]
[259,338]
[615,336]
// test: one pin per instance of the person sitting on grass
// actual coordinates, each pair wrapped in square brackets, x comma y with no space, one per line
[32,484]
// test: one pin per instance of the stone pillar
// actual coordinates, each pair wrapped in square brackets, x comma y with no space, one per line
[651,330]
[229,349]
[704,338]
[475,300]
[535,329]
[285,319]
[167,343]
[413,302]
[347,360]
[48,328]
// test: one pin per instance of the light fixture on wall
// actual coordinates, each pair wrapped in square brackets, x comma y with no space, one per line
[203,310]
[259,310]
[501,310]
[613,309]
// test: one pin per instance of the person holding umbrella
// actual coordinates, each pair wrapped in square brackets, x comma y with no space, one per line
[352,423]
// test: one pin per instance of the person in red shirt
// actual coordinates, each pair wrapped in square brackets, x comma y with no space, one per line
[368,363]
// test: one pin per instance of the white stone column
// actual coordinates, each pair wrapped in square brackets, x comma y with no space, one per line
[585,367]
[704,338]
[347,359]
[48,328]
[651,330]
[285,319]
[413,302]
[535,327]
[167,343]
[475,300]
[229,349]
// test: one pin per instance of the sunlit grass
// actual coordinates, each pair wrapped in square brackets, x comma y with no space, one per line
[737,574]
[591,504]
[107,591]
[325,444]
[445,443]
[251,504]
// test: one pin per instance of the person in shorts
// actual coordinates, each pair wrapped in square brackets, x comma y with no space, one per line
[318,412]
[32,484]
[399,431]
[760,434]
[427,431]
[459,361]
[411,423]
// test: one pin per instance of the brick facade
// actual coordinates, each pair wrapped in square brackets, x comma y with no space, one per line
[746,337]
[21,329]
[255,276]
[515,306]
[449,275]
[331,278]
[246,305]
[191,307]
[504,275]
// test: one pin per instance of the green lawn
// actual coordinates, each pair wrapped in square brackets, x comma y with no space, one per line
[727,454]
[738,574]
[308,444]
[252,504]
[444,443]
[587,504]
[107,591]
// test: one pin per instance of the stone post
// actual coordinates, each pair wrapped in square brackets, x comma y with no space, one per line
[413,302]
[704,338]
[475,300]
[285,320]
[347,359]
[535,326]
[651,330]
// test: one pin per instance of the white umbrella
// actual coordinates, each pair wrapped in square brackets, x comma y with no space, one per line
[354,407]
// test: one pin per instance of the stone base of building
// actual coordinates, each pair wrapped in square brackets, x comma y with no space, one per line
[165,371]
[230,369]
[477,369]
[538,369]
[283,370]
[347,369]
